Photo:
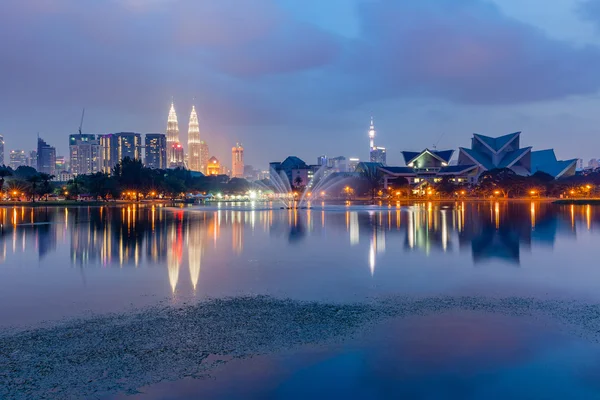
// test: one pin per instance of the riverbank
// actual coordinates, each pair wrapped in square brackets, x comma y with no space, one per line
[578,202]
[104,355]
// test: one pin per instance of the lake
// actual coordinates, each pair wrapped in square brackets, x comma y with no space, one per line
[430,300]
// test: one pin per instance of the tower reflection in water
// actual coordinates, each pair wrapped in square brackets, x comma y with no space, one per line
[176,239]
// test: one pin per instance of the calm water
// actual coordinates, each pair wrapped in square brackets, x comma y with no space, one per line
[65,262]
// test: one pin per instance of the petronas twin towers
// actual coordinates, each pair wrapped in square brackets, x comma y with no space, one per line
[175,154]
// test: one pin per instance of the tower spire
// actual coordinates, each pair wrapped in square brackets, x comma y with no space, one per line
[372,135]
[194,162]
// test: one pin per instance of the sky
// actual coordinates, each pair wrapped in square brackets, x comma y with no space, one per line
[303,77]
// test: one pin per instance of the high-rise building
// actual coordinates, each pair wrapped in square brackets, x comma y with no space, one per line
[204,157]
[338,164]
[172,137]
[114,147]
[371,135]
[378,155]
[32,159]
[213,167]
[237,161]
[322,160]
[178,156]
[46,158]
[353,163]
[194,147]
[17,158]
[129,145]
[109,145]
[1,150]
[60,164]
[85,154]
[156,151]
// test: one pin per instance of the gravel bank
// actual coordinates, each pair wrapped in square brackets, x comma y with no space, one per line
[95,357]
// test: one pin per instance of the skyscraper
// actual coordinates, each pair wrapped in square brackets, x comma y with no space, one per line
[17,159]
[46,158]
[109,145]
[85,154]
[172,137]
[194,147]
[32,160]
[129,145]
[371,135]
[178,156]
[376,154]
[237,161]
[156,151]
[1,150]
[322,160]
[204,157]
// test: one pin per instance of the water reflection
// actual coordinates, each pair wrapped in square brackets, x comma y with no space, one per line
[136,236]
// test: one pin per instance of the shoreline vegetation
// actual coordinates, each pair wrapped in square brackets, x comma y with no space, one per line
[103,355]
[131,182]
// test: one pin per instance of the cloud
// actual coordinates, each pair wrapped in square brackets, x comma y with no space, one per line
[467,51]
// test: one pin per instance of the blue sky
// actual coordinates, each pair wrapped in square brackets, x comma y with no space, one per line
[303,77]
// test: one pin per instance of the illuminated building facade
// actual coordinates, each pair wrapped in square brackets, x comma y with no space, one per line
[1,150]
[177,156]
[46,158]
[173,139]
[155,156]
[194,146]
[129,145]
[487,153]
[85,154]
[204,157]
[237,161]
[17,158]
[213,167]
[376,154]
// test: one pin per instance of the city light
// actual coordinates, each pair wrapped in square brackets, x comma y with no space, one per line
[252,195]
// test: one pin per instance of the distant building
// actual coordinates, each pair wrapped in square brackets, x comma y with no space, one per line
[85,154]
[61,164]
[62,176]
[225,171]
[129,145]
[1,150]
[17,158]
[46,158]
[213,167]
[338,164]
[322,160]
[155,156]
[177,156]
[194,145]
[593,164]
[174,158]
[296,170]
[237,161]
[204,156]
[353,163]
[109,145]
[250,173]
[32,159]
[378,155]
[487,153]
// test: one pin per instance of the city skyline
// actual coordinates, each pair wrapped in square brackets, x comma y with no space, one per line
[299,69]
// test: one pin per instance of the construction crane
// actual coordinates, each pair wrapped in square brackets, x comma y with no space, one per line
[81,123]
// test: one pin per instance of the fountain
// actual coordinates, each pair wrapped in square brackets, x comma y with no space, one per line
[282,189]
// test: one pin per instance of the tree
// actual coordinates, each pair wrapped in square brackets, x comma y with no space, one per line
[173,186]
[24,172]
[445,186]
[76,186]
[373,176]
[34,182]
[4,172]
[298,182]
[45,187]
[503,180]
